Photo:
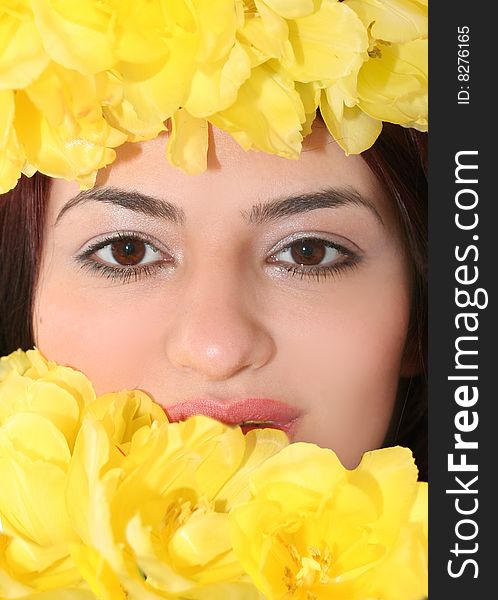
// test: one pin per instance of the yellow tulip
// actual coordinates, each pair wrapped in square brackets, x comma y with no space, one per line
[41,407]
[61,127]
[44,411]
[393,87]
[314,529]
[30,384]
[154,516]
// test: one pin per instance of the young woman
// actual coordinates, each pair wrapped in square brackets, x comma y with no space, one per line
[263,292]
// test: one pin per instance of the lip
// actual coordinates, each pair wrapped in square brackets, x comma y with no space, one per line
[253,412]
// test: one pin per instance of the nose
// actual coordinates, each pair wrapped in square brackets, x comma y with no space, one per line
[216,332]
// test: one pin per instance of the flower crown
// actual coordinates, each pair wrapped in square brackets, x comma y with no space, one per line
[78,79]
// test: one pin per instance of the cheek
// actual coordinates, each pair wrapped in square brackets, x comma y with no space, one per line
[106,335]
[360,331]
[344,358]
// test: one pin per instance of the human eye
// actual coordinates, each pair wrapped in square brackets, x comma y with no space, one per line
[315,257]
[128,256]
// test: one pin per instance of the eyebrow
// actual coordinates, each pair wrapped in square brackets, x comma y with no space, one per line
[273,210]
[131,200]
[259,214]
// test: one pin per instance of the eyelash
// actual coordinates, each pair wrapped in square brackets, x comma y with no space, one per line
[330,271]
[127,274]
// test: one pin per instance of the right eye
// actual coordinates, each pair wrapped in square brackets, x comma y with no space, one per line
[125,256]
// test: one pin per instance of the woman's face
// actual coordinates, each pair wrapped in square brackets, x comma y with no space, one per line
[263,279]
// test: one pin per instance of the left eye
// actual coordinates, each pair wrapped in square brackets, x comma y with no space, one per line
[128,252]
[309,252]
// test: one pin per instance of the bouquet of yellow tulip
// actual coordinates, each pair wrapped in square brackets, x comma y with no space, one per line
[102,497]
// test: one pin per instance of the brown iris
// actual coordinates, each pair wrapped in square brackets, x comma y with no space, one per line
[128,251]
[308,252]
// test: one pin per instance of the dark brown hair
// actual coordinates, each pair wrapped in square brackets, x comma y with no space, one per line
[398,159]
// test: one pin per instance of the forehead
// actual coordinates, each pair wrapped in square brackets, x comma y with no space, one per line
[235,179]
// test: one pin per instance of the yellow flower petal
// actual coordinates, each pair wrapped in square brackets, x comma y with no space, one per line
[77,35]
[32,385]
[267,115]
[313,468]
[32,502]
[10,586]
[125,118]
[50,444]
[11,154]
[96,571]
[188,142]
[161,574]
[259,445]
[216,22]
[31,363]
[215,86]
[124,413]
[355,132]
[139,30]
[293,9]
[310,94]
[168,88]
[67,594]
[392,20]
[264,34]
[393,473]
[202,539]
[22,57]
[88,491]
[327,45]
[43,567]
[16,362]
[403,573]
[43,398]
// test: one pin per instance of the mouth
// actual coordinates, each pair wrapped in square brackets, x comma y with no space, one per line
[249,425]
[247,413]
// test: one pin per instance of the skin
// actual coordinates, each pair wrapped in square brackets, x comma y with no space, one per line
[219,317]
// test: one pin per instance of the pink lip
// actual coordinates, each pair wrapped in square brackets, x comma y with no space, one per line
[277,414]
